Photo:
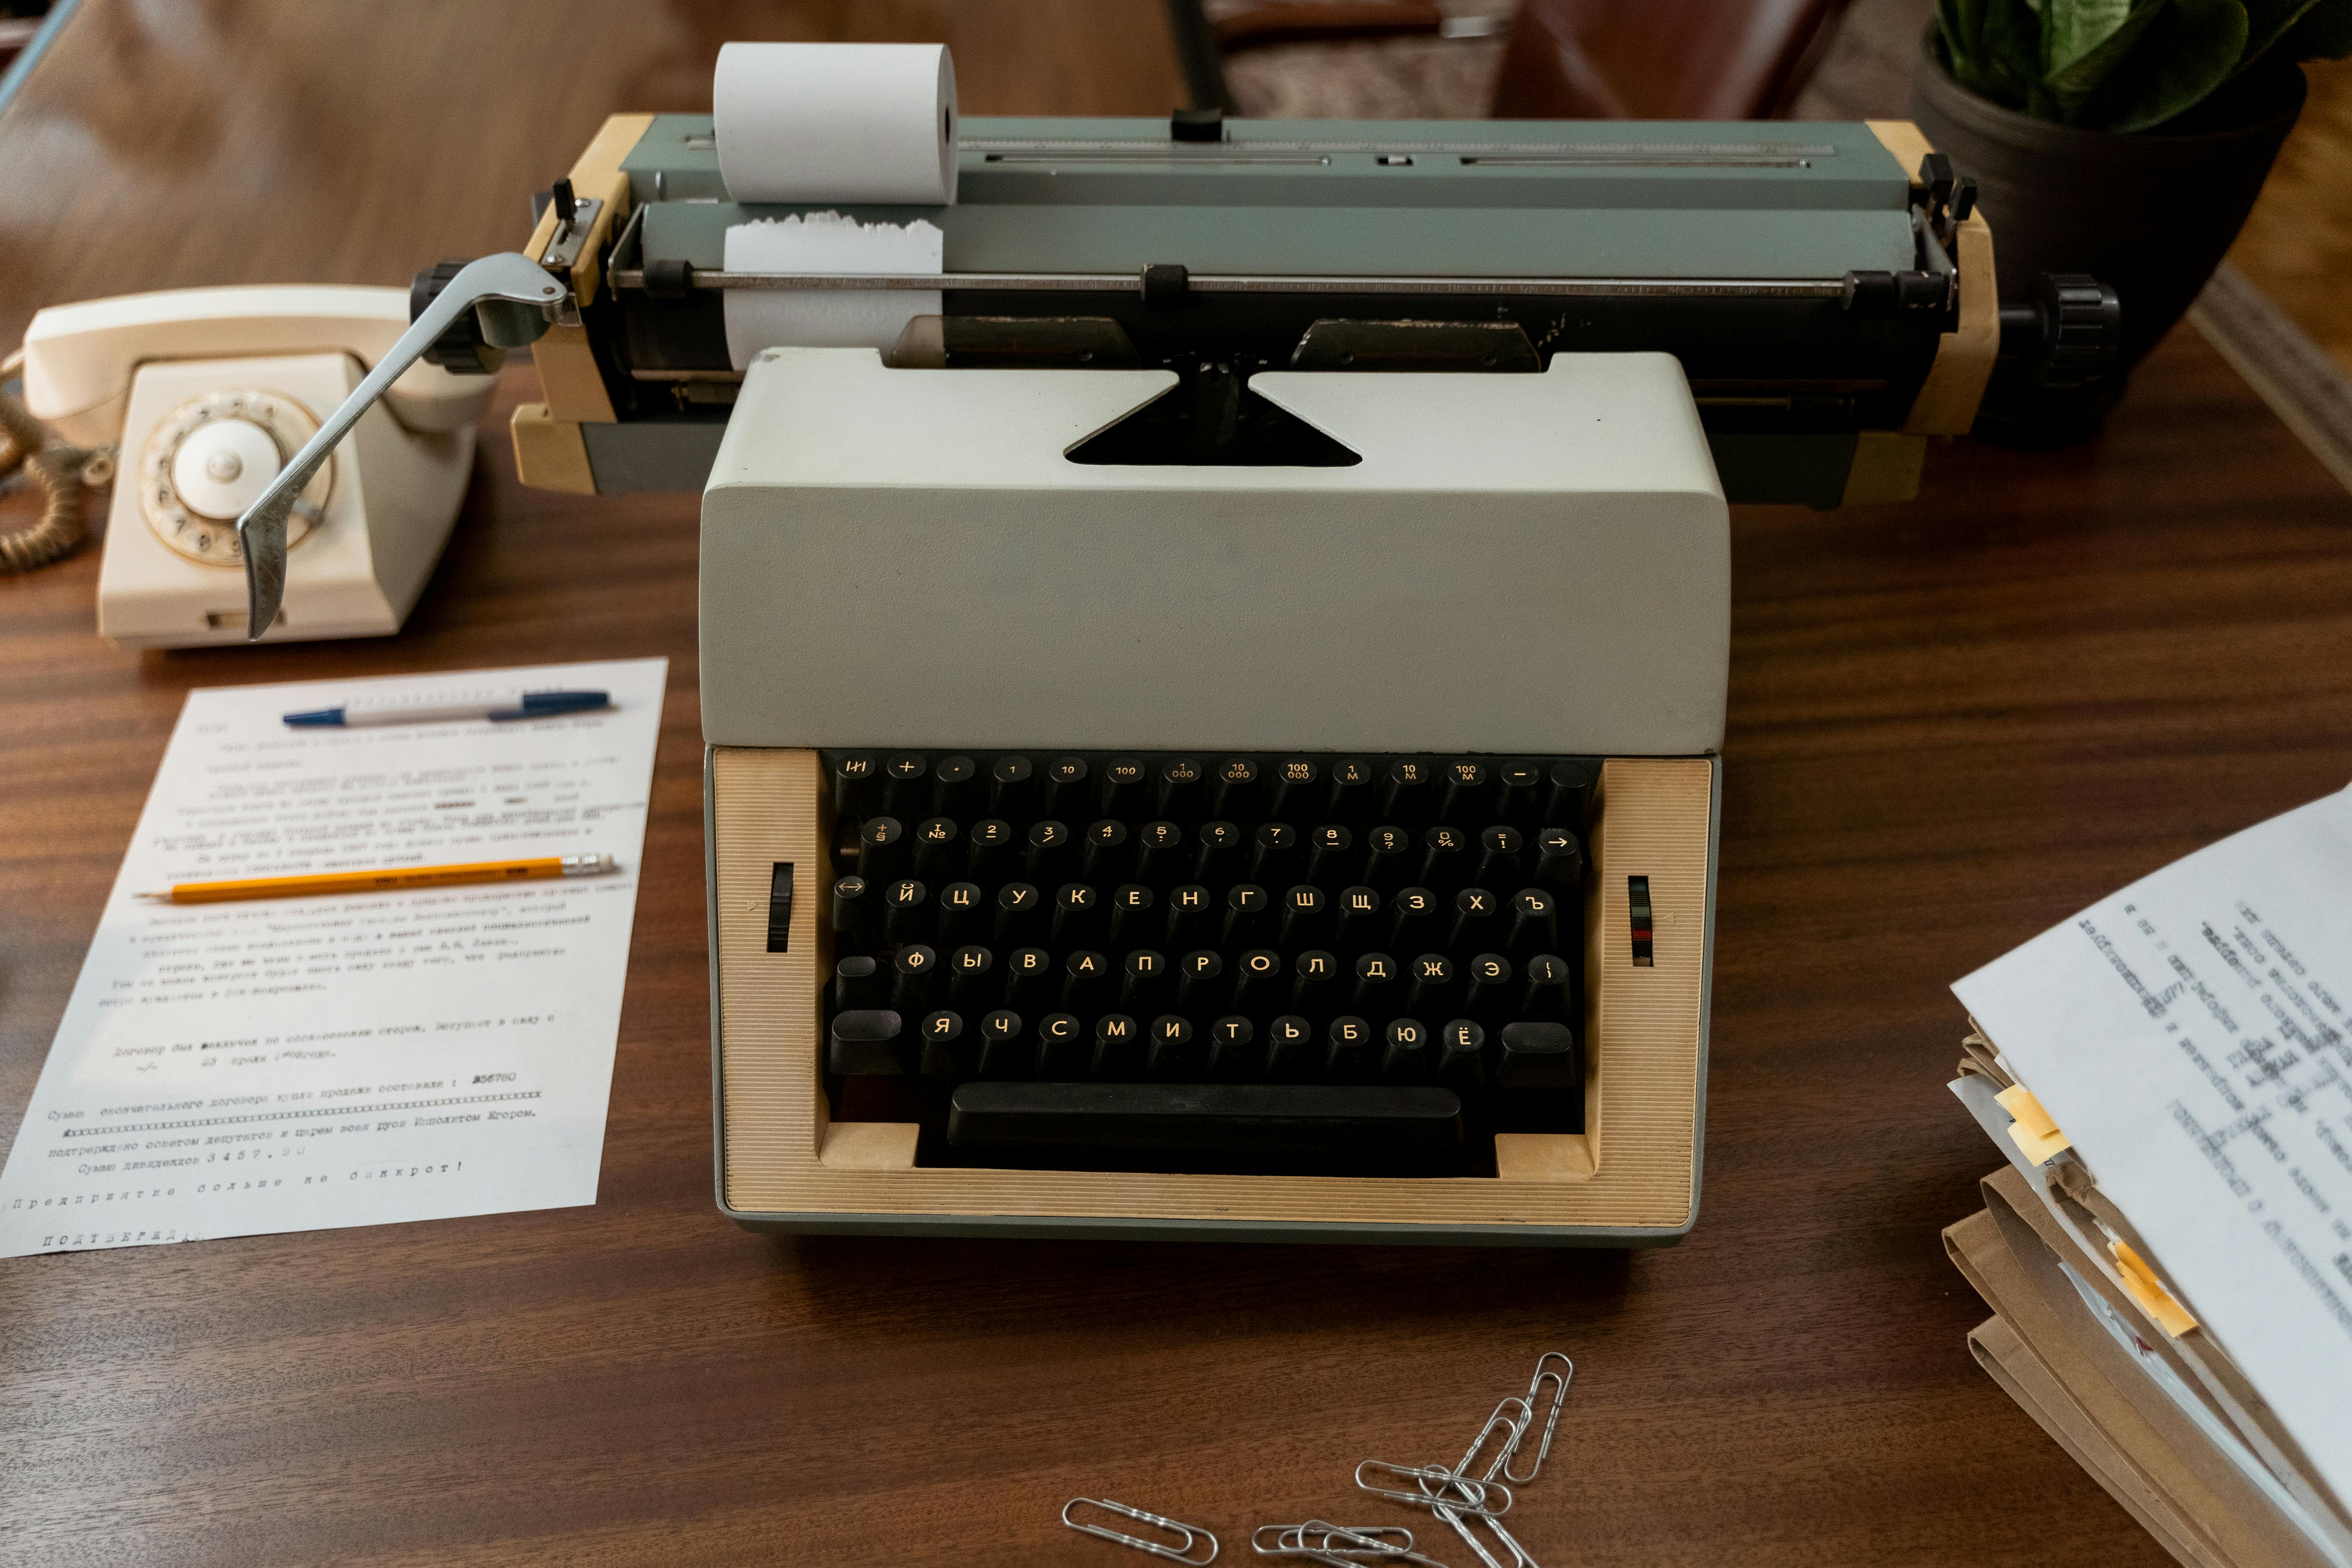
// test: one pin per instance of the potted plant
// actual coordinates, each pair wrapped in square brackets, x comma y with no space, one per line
[2127,139]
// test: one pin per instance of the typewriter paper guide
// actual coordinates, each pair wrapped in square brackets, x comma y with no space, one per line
[1518,563]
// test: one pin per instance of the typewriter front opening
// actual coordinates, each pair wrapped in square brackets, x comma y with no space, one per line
[1207,962]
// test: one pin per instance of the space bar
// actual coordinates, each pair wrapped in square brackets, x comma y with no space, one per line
[1337,1118]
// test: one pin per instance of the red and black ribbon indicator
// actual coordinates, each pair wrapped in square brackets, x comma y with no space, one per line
[1637,895]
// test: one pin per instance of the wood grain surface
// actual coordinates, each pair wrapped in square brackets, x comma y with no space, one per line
[1953,722]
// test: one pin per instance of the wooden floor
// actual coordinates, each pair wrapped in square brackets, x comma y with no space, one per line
[2298,245]
[1952,723]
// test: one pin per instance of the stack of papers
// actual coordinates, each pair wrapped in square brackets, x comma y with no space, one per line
[2168,1252]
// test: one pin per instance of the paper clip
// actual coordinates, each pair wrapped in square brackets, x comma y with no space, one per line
[1475,1494]
[1535,1391]
[1347,1546]
[1183,1553]
[1515,1426]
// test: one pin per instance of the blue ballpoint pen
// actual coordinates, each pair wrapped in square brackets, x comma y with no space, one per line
[499,709]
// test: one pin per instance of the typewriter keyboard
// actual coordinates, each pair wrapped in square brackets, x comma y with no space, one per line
[1207,962]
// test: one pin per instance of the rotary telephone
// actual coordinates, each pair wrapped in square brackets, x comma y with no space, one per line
[208,395]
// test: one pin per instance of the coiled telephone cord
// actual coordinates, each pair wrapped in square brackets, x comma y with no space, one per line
[62,473]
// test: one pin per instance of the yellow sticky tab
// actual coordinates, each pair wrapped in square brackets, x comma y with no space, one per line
[2154,1299]
[2035,1135]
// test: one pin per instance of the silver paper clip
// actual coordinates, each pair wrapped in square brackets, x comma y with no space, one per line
[1475,1495]
[1560,1377]
[1514,1428]
[1193,1534]
[1447,1512]
[1346,1546]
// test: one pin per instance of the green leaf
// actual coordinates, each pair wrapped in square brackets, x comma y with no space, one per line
[2012,50]
[2074,77]
[2186,52]
[2323,34]
[2266,20]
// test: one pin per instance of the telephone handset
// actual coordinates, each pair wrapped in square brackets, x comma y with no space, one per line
[210,394]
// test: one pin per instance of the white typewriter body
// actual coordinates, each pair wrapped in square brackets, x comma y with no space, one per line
[1518,563]
[1527,564]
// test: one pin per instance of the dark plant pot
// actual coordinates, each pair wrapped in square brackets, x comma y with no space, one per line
[2150,213]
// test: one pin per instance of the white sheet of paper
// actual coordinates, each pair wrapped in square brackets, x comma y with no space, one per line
[303,1063]
[826,318]
[2189,1035]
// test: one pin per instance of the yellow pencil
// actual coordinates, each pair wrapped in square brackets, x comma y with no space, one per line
[386,881]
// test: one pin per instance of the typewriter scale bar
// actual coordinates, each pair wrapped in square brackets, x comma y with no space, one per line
[1338,964]
[1269,283]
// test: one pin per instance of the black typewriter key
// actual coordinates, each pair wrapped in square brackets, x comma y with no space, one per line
[1379,986]
[914,977]
[1124,789]
[906,785]
[1413,921]
[1134,915]
[1477,919]
[1021,917]
[1051,855]
[1519,791]
[1502,860]
[1292,1053]
[1357,924]
[1028,979]
[1177,1052]
[937,850]
[1201,988]
[1159,856]
[1062,1048]
[870,1044]
[1183,792]
[1294,788]
[1332,862]
[1119,1050]
[1560,861]
[1259,984]
[1445,858]
[1349,1050]
[991,851]
[857,787]
[1408,1052]
[945,1050]
[1535,922]
[1194,917]
[965,914]
[956,788]
[857,984]
[1012,787]
[1492,995]
[1388,857]
[1407,791]
[882,853]
[1538,1056]
[1078,915]
[1249,915]
[1350,796]
[1568,802]
[1314,988]
[1306,916]
[1233,789]
[1067,791]
[1087,982]
[1003,1052]
[1543,987]
[1277,856]
[1461,1053]
[1233,1050]
[1110,858]
[1147,983]
[857,912]
[1467,795]
[1436,992]
[972,977]
[907,911]
[1217,854]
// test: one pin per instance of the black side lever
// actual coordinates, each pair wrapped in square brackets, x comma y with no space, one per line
[2070,331]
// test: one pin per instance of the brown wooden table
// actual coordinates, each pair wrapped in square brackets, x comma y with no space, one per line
[1952,723]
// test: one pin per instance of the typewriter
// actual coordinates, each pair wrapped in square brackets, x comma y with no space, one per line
[1214,718]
